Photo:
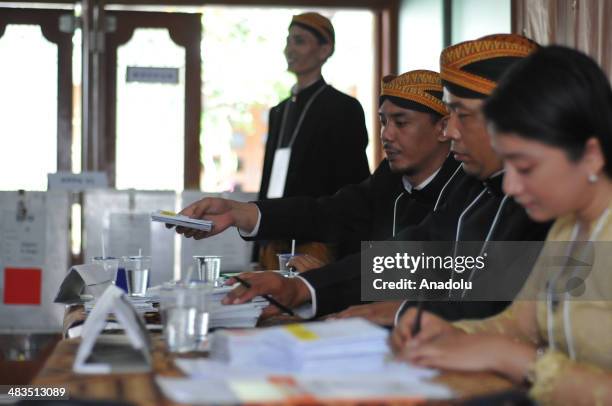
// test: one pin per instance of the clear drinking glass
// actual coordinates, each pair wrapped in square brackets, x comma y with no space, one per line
[137,269]
[109,265]
[282,264]
[184,310]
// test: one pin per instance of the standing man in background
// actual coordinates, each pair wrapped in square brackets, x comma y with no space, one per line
[316,138]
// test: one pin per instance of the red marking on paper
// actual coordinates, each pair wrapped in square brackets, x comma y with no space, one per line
[22,286]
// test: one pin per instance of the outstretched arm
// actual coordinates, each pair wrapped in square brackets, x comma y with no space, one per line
[223,213]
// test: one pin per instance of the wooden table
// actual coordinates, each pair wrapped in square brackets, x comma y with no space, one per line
[22,355]
[140,388]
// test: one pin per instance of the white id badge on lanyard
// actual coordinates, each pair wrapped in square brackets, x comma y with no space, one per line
[280,166]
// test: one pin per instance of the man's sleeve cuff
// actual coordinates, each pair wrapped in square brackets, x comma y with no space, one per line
[255,231]
[307,311]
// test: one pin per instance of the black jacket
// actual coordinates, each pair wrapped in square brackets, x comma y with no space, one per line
[342,288]
[329,149]
[361,212]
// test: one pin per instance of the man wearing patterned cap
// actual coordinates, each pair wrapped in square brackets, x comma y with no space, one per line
[470,71]
[316,138]
[401,192]
[471,206]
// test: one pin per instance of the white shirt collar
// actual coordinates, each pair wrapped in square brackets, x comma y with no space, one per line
[408,186]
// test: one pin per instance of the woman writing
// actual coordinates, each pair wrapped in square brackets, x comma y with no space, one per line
[551,120]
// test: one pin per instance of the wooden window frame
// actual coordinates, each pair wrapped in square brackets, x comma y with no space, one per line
[184,30]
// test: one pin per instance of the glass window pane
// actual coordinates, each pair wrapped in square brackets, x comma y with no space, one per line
[77,89]
[28,107]
[420,34]
[150,116]
[476,18]
[351,67]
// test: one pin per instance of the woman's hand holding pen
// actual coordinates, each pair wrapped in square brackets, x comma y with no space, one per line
[290,292]
[431,326]
[475,352]
[439,344]
[223,213]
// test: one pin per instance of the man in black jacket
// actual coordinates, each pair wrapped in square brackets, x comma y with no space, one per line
[316,138]
[472,206]
[400,193]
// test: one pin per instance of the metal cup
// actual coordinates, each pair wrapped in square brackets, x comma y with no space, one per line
[208,269]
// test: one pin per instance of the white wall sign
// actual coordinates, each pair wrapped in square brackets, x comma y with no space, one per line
[77,181]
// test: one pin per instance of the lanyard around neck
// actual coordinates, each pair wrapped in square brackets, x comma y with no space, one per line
[485,243]
[300,120]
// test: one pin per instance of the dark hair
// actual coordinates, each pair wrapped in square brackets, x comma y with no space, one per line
[557,96]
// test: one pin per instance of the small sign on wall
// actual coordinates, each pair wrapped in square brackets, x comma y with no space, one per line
[144,74]
[77,181]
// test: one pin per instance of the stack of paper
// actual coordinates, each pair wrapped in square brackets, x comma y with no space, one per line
[141,304]
[234,316]
[169,217]
[112,326]
[350,344]
[204,368]
[229,316]
[324,362]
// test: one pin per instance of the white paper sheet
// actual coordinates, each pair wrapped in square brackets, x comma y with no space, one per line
[296,389]
[22,241]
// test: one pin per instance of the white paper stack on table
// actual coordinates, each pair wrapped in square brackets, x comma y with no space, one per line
[355,344]
[222,316]
[322,362]
[169,217]
[234,316]
[142,304]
